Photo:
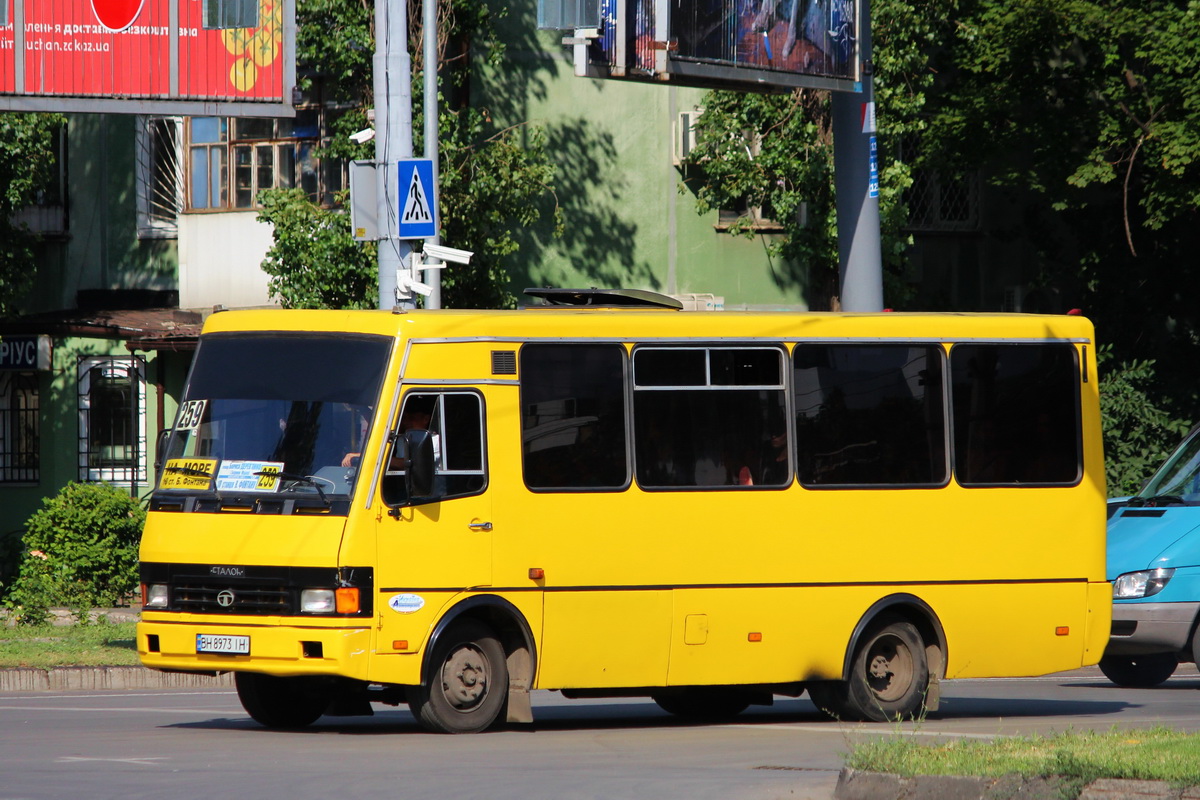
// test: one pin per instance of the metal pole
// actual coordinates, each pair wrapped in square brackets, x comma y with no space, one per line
[432,277]
[392,83]
[856,181]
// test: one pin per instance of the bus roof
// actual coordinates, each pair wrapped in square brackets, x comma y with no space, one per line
[544,322]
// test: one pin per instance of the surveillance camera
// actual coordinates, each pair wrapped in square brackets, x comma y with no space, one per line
[363,136]
[448,253]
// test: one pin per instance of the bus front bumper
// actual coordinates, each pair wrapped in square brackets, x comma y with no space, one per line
[273,648]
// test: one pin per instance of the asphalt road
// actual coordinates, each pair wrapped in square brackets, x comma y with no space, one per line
[200,744]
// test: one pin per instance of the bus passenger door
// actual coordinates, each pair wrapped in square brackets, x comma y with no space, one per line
[431,549]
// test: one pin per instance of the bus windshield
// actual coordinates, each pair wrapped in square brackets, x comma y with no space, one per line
[275,413]
[1178,480]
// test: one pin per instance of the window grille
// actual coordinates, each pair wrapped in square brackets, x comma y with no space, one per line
[112,420]
[159,177]
[19,428]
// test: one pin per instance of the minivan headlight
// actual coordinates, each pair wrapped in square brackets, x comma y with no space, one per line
[1145,583]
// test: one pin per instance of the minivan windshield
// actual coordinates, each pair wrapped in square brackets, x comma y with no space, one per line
[275,413]
[1178,480]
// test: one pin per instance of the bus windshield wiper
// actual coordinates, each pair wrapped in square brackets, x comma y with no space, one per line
[307,480]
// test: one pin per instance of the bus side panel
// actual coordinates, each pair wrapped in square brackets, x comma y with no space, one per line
[605,639]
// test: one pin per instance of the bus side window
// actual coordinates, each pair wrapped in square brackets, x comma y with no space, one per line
[455,419]
[1016,414]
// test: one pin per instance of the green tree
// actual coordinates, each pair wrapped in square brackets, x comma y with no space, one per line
[80,550]
[490,181]
[27,164]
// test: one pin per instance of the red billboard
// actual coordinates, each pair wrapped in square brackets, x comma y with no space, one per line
[145,56]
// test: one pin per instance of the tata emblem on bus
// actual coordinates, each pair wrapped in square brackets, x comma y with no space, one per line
[117,15]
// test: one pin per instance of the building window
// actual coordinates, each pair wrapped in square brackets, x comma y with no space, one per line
[159,177]
[112,420]
[19,427]
[231,160]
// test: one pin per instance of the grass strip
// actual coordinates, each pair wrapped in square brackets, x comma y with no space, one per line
[1158,754]
[44,646]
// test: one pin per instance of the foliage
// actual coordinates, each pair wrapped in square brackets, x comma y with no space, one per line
[81,551]
[314,261]
[489,181]
[1078,756]
[27,164]
[1138,433]
[44,646]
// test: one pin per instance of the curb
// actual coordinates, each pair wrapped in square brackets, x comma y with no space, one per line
[855,785]
[74,679]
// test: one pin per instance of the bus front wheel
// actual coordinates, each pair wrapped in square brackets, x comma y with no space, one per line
[281,702]
[1141,671]
[467,685]
[888,676]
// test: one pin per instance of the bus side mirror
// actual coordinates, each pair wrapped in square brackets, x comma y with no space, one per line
[418,478]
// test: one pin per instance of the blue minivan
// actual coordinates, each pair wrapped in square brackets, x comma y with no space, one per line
[1154,566]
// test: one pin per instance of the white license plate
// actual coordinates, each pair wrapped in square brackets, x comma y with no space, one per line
[214,643]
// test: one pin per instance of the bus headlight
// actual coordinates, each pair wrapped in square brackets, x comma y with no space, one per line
[316,601]
[154,595]
[1146,583]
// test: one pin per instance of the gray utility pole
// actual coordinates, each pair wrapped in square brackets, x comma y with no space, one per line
[433,277]
[393,138]
[856,181]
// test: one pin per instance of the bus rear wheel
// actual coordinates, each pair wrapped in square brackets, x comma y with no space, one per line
[281,702]
[702,703]
[888,676]
[467,685]
[1139,672]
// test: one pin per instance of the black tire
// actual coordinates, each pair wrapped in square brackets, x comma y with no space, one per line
[702,703]
[281,702]
[467,685]
[1141,671]
[889,676]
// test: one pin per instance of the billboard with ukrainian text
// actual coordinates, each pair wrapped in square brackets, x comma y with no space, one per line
[147,56]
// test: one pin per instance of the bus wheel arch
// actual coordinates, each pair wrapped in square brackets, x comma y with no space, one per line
[893,665]
[486,614]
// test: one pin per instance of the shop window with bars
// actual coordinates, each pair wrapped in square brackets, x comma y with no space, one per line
[112,420]
[19,427]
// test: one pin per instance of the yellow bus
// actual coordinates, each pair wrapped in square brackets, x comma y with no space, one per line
[608,496]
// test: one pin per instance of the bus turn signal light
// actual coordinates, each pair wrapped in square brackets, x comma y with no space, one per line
[1062,630]
[754,637]
[536,573]
[347,600]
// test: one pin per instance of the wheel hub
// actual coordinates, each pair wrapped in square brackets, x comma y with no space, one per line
[889,669]
[465,678]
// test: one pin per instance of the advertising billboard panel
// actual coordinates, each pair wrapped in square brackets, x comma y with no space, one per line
[147,56]
[759,43]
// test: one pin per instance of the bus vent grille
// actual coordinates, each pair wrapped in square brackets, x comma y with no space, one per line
[207,598]
[504,362]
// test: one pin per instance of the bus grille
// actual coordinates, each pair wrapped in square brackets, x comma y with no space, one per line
[207,599]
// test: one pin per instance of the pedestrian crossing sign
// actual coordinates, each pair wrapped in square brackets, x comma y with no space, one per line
[418,200]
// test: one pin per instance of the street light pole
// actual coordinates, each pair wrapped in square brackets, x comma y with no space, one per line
[433,277]
[392,84]
[856,181]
